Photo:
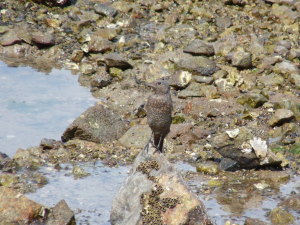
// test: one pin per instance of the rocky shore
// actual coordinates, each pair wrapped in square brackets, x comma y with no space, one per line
[233,67]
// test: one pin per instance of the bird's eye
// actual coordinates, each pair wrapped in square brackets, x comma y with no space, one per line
[159,83]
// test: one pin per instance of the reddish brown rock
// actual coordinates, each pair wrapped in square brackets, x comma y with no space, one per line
[14,207]
[43,39]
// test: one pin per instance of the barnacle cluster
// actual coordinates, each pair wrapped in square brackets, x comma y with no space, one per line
[170,202]
[152,204]
[147,166]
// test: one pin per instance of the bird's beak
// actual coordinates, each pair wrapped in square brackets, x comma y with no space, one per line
[148,84]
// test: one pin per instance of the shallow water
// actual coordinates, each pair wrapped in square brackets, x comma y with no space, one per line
[90,198]
[34,105]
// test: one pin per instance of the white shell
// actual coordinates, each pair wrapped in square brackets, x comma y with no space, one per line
[246,150]
[259,146]
[233,133]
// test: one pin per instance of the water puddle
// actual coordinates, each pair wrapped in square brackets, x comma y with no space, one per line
[35,105]
[90,198]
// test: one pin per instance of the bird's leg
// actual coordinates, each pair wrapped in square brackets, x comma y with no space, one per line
[147,145]
[157,147]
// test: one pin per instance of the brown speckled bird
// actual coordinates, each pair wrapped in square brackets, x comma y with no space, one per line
[159,108]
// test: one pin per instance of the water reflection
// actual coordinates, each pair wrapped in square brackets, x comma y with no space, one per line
[36,106]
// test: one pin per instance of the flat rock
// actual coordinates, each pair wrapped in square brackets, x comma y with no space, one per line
[98,124]
[43,39]
[197,65]
[250,221]
[16,208]
[105,10]
[281,116]
[10,38]
[198,47]
[101,79]
[156,187]
[116,60]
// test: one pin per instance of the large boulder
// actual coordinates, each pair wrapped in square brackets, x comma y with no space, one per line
[155,192]
[97,124]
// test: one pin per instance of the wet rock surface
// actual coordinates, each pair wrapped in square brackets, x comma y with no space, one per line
[234,71]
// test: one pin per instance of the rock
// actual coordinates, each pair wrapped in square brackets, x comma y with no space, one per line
[198,47]
[283,14]
[47,143]
[250,221]
[240,150]
[61,214]
[77,55]
[101,79]
[272,80]
[105,10]
[286,68]
[207,167]
[161,192]
[203,79]
[98,124]
[228,164]
[279,216]
[281,116]
[16,51]
[227,89]
[43,39]
[16,208]
[7,179]
[253,99]
[281,50]
[180,79]
[137,136]
[295,79]
[197,65]
[87,68]
[291,203]
[223,22]
[116,60]
[107,33]
[79,172]
[115,72]
[10,38]
[242,60]
[53,2]
[288,104]
[97,44]
[293,54]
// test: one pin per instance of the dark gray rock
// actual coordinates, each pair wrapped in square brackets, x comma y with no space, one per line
[98,124]
[198,47]
[197,65]
[47,143]
[227,164]
[116,60]
[164,182]
[105,10]
[61,214]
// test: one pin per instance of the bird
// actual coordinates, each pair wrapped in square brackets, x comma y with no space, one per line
[159,109]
